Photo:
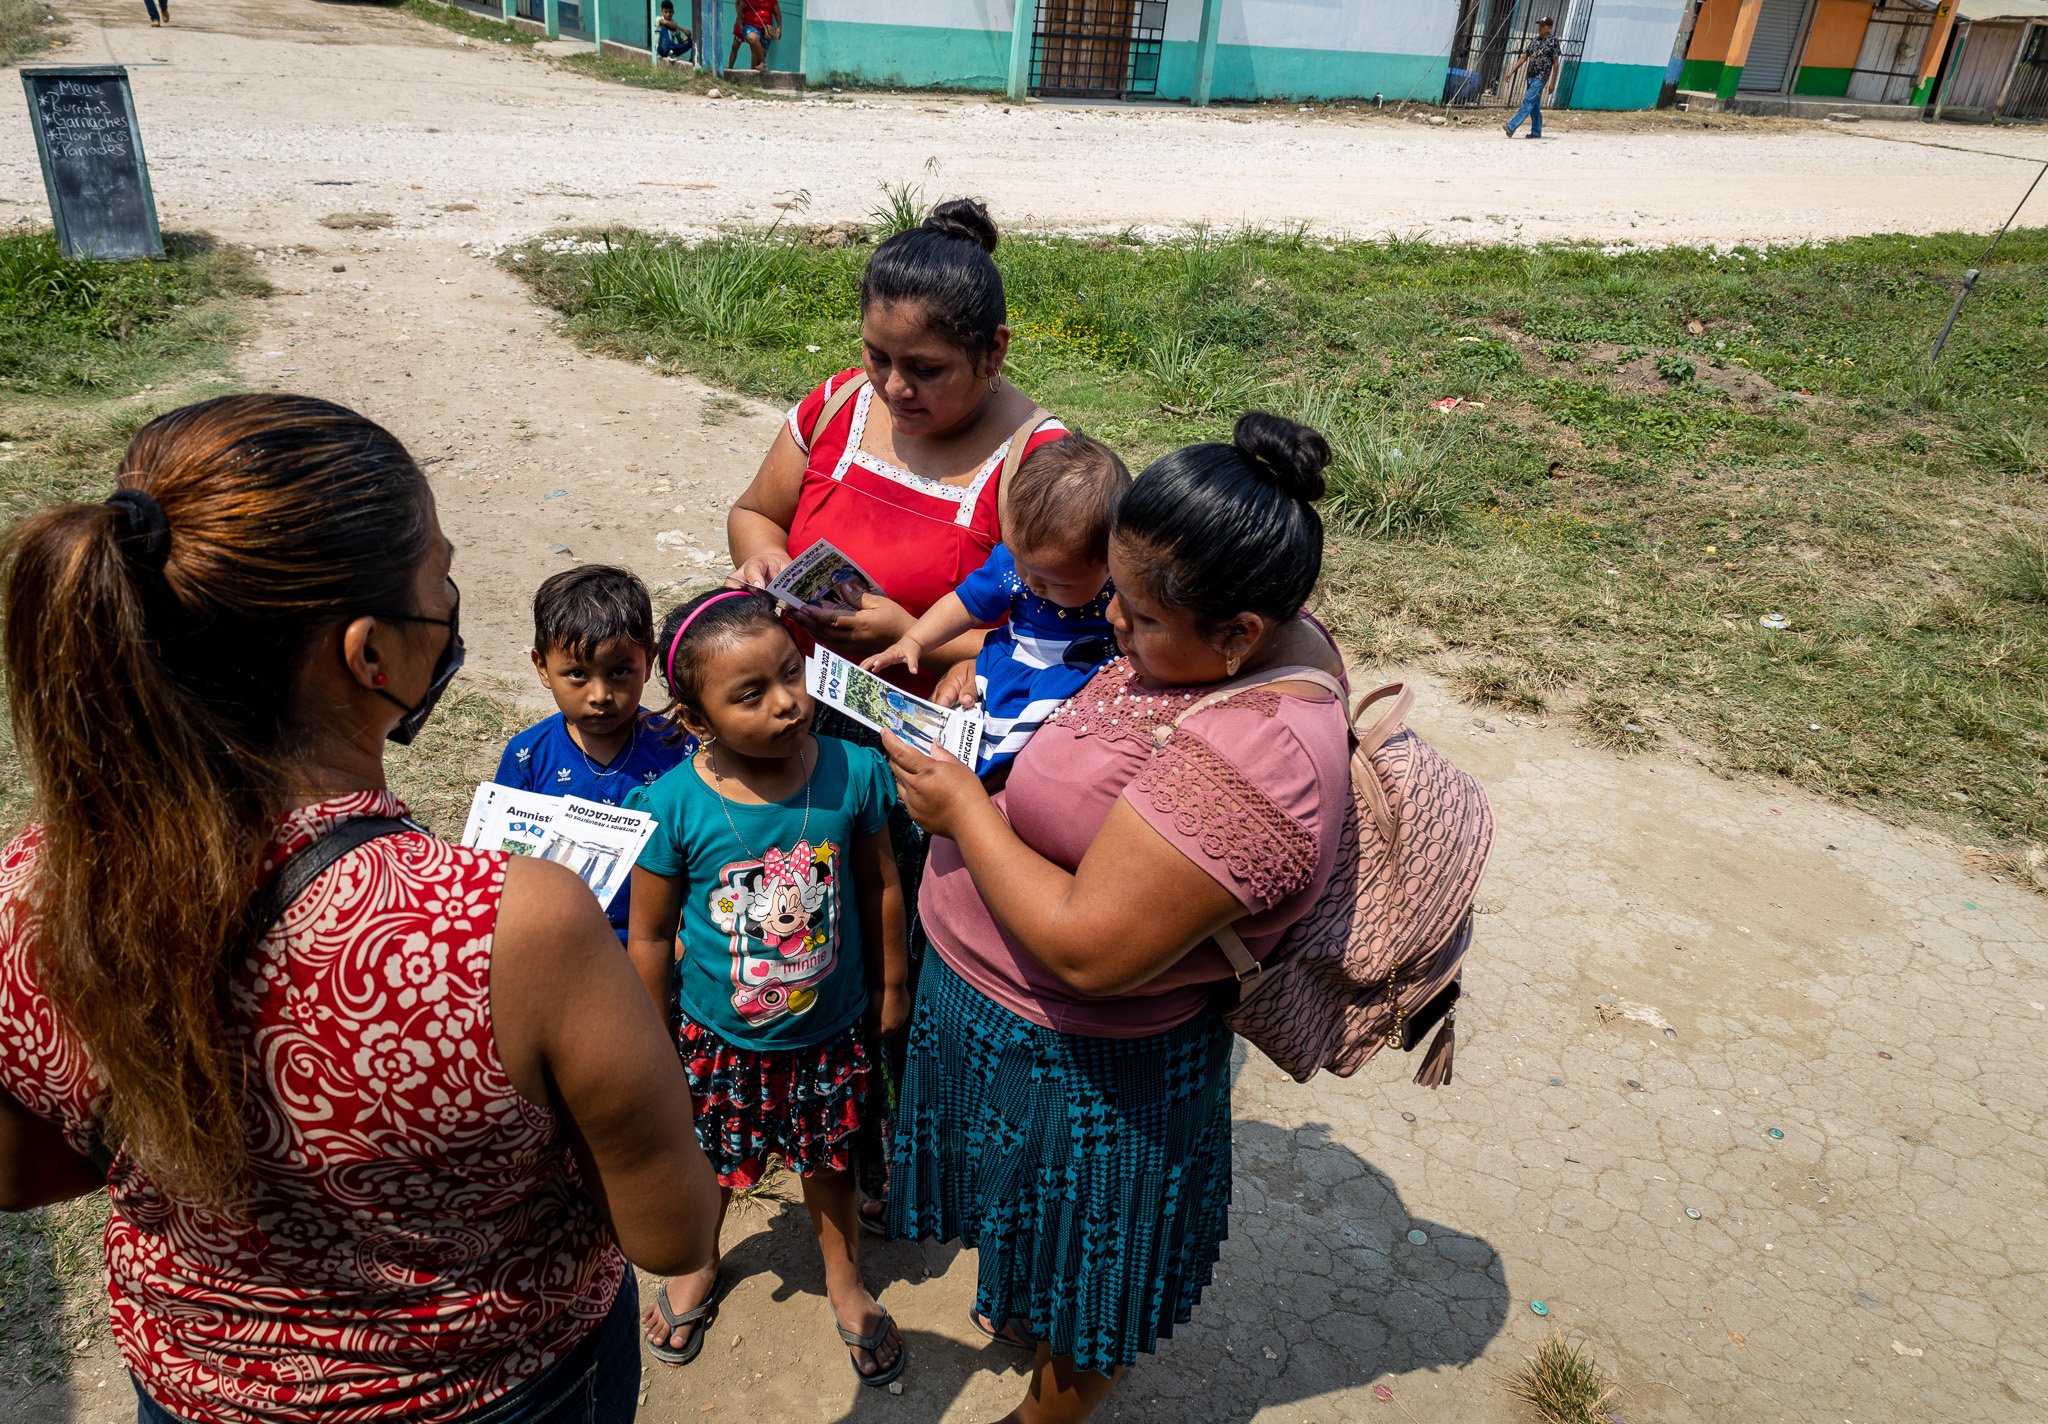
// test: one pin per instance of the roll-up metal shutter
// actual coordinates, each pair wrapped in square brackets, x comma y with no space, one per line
[1770,51]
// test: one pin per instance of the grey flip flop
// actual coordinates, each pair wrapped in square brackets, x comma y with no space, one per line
[873,1345]
[1002,1336]
[701,1317]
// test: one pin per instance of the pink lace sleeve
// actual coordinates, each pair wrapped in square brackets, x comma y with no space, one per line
[1246,817]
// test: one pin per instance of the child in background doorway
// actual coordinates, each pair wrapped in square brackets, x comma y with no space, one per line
[1050,579]
[758,25]
[768,925]
[593,646]
[671,40]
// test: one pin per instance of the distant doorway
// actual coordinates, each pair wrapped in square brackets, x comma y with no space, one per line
[1097,49]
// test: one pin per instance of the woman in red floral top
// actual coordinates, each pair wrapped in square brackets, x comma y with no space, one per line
[377,1153]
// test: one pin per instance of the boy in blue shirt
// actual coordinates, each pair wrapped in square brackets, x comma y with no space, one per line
[593,646]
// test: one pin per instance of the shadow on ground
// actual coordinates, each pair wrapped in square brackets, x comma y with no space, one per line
[1321,1289]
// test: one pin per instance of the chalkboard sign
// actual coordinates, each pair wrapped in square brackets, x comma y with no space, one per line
[93,168]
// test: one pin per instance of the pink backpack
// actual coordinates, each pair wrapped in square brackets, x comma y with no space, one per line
[1375,961]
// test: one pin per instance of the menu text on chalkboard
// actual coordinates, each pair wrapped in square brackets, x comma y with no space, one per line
[93,168]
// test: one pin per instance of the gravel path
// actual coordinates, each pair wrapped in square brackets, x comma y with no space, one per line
[1860,988]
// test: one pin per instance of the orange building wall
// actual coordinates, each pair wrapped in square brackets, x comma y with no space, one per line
[1836,36]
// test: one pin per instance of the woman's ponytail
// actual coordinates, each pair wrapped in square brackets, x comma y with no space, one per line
[152,646]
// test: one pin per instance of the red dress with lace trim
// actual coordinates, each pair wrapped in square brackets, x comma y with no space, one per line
[1252,791]
[419,1242]
[919,537]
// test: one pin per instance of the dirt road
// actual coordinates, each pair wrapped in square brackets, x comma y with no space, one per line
[1858,988]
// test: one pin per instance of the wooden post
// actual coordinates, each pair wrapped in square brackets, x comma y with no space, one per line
[1955,63]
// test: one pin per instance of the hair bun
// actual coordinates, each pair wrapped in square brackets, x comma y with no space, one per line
[964,218]
[1284,453]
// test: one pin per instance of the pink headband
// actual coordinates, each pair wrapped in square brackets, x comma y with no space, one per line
[669,666]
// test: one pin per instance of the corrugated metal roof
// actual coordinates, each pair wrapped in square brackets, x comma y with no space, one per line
[1982,11]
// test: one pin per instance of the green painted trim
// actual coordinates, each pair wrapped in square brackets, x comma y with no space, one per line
[1598,85]
[1701,76]
[553,10]
[1731,80]
[906,56]
[1020,48]
[1271,72]
[1822,82]
[1205,53]
[1921,91]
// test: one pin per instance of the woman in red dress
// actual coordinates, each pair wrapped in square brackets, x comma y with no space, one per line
[902,475]
[898,464]
[381,1119]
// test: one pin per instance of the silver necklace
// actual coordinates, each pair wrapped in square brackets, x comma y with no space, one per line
[617,762]
[718,789]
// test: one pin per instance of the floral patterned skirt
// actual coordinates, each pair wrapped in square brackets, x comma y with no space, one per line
[800,1104]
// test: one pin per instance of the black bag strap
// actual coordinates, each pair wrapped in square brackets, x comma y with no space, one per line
[297,874]
[292,880]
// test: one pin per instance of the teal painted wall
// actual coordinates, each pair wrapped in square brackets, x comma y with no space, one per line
[1266,72]
[1617,86]
[1177,62]
[908,56]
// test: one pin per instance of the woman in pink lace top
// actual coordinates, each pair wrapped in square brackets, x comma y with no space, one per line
[1066,1105]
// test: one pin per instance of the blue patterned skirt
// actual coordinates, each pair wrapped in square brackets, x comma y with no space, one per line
[1091,1174]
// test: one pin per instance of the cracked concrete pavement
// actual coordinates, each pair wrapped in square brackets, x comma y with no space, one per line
[1858,987]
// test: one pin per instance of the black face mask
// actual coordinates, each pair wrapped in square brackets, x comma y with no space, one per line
[450,663]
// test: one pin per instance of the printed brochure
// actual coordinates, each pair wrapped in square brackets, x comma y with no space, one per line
[598,842]
[868,699]
[825,580]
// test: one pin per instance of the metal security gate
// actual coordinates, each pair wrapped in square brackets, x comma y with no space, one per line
[1492,34]
[1097,49]
[1778,27]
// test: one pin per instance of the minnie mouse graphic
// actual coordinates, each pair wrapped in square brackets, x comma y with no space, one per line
[782,912]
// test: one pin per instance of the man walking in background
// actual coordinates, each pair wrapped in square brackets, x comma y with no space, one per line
[1541,60]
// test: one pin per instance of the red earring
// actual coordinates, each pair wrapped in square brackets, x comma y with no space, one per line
[378,679]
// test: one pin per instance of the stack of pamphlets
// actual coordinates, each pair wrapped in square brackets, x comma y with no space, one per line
[598,842]
[869,700]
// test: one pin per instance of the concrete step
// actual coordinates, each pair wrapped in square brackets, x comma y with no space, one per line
[787,80]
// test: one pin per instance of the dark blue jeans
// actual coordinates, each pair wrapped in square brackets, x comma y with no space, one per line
[598,1382]
[1532,110]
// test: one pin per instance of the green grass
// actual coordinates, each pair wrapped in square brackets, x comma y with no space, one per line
[52,1301]
[70,328]
[27,28]
[467,22]
[1657,448]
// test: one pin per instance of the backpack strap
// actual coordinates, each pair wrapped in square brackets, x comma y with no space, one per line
[1227,938]
[292,880]
[1020,443]
[835,403]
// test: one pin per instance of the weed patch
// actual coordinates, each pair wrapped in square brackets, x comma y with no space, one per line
[27,27]
[1563,1384]
[1591,513]
[365,221]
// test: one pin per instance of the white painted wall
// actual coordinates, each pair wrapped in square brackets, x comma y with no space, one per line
[1633,31]
[932,14]
[1420,27]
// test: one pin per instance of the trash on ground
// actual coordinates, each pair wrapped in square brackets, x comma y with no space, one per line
[554,494]
[669,539]
[1776,1134]
[1418,1238]
[1446,405]
[1539,1307]
[1693,1212]
[1382,1393]
[1776,622]
[1900,1347]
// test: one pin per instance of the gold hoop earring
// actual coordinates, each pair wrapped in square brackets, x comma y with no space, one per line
[992,385]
